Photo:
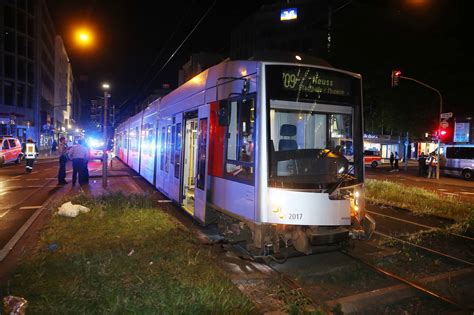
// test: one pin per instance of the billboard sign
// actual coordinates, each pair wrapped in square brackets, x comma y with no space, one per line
[461,132]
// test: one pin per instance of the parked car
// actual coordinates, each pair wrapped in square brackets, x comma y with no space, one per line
[10,150]
[372,158]
[457,160]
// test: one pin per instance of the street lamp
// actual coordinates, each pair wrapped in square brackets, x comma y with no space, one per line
[105,87]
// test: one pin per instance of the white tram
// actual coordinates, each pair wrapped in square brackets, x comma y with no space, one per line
[261,148]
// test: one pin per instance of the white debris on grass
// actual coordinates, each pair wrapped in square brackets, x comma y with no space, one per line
[70,210]
[131,253]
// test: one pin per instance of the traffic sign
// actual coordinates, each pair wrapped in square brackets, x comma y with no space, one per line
[444,124]
[446,115]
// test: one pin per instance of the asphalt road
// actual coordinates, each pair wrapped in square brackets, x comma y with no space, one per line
[21,194]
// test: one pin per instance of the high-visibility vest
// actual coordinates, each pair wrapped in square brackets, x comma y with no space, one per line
[30,151]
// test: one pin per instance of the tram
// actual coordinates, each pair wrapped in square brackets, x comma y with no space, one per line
[259,147]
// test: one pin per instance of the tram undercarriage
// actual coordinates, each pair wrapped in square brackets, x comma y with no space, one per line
[271,239]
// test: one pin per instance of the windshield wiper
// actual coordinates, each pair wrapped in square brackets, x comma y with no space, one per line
[343,177]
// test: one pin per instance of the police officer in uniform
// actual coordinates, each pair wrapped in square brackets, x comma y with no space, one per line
[30,151]
[62,150]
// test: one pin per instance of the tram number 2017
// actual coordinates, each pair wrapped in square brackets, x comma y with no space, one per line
[296,216]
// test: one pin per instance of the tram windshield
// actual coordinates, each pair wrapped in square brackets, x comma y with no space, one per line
[311,134]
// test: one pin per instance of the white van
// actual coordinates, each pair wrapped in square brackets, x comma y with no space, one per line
[458,160]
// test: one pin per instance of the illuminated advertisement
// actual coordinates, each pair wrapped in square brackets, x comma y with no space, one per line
[288,14]
[461,132]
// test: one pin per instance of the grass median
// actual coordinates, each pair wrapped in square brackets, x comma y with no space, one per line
[419,200]
[124,256]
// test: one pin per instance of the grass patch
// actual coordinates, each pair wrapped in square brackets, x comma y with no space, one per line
[125,256]
[420,201]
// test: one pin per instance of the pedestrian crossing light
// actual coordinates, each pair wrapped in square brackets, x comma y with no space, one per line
[395,76]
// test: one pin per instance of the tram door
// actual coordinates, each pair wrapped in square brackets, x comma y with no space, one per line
[201,166]
[189,160]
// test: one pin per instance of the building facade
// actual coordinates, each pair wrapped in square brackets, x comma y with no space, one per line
[28,76]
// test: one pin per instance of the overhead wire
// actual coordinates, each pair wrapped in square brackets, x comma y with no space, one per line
[147,86]
[164,46]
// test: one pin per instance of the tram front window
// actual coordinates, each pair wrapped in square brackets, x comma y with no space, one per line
[310,149]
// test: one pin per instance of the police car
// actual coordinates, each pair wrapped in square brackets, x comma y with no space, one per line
[10,150]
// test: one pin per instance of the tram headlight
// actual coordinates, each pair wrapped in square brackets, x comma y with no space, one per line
[357,204]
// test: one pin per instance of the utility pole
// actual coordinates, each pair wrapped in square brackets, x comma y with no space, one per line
[105,158]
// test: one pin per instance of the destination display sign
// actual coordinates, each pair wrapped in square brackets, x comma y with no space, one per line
[310,83]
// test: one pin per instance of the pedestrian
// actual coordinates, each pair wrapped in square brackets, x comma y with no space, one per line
[63,158]
[422,165]
[396,161]
[30,152]
[431,162]
[392,159]
[79,155]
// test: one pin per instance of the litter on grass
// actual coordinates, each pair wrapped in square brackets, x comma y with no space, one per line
[14,305]
[70,210]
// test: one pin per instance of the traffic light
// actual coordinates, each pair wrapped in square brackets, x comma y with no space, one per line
[443,134]
[395,76]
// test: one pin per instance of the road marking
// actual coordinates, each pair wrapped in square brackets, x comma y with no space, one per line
[3,214]
[29,207]
[467,193]
[442,189]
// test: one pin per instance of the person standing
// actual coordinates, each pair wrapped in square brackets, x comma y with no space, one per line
[79,155]
[422,165]
[431,162]
[396,161]
[30,151]
[392,159]
[62,151]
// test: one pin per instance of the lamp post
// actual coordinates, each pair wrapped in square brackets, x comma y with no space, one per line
[105,158]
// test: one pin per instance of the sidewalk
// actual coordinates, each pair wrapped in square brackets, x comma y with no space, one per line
[445,186]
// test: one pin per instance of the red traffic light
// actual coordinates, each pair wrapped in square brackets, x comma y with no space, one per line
[395,76]
[443,132]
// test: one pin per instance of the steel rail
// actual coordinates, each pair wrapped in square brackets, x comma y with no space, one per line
[419,224]
[412,284]
[426,248]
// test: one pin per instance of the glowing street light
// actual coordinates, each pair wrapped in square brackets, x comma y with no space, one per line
[84,37]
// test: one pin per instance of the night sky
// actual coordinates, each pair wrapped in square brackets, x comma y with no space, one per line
[427,40]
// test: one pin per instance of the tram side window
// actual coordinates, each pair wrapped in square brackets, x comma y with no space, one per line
[168,148]
[202,153]
[134,140]
[177,151]
[162,149]
[240,140]
[173,140]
